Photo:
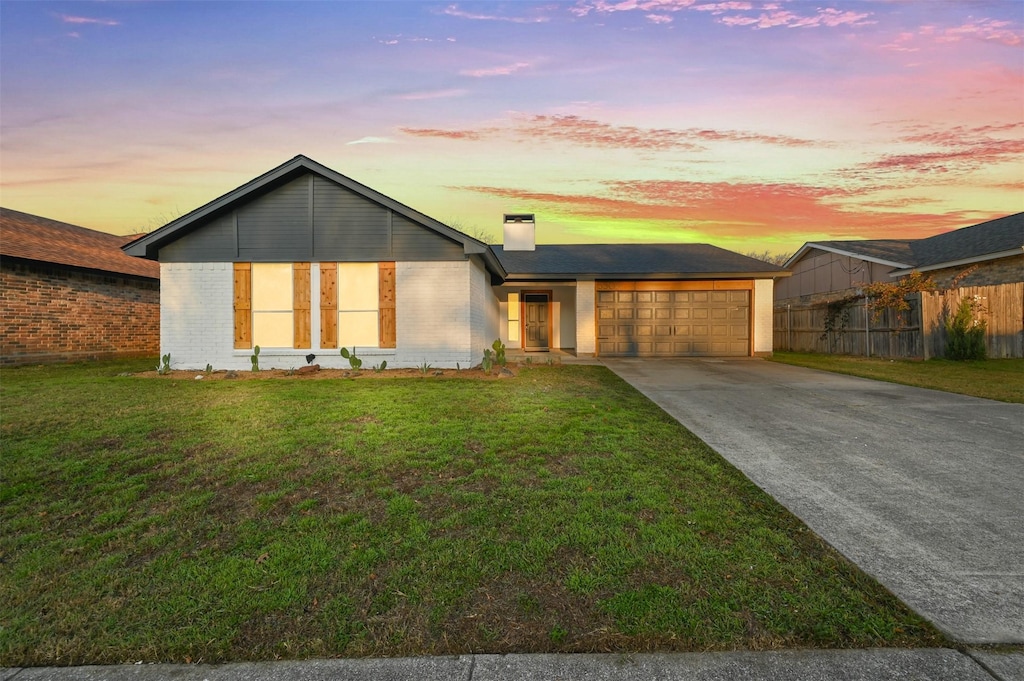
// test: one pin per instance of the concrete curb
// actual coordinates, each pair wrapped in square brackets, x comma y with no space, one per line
[788,665]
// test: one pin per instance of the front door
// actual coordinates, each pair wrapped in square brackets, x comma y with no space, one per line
[536,321]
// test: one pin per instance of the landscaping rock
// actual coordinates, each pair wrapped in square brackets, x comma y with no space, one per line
[231,374]
[311,369]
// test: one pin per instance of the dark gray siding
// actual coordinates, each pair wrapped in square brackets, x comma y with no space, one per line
[276,226]
[214,242]
[412,242]
[311,218]
[348,227]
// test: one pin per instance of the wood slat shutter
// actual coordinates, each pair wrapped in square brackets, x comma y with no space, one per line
[386,304]
[328,304]
[301,310]
[243,305]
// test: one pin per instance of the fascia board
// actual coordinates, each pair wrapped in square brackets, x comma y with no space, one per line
[962,261]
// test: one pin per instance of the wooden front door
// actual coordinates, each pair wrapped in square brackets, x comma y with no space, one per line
[536,321]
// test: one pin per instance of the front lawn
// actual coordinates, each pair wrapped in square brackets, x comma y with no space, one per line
[995,379]
[158,519]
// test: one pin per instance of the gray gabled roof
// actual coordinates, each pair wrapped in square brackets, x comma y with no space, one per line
[632,261]
[997,238]
[149,245]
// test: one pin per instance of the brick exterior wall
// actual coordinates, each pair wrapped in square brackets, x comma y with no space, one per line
[991,273]
[50,313]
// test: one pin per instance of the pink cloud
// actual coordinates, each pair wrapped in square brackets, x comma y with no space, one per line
[472,135]
[496,71]
[72,19]
[983,29]
[590,133]
[454,11]
[433,94]
[659,18]
[955,150]
[739,210]
[719,7]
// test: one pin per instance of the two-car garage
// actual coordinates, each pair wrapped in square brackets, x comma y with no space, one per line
[673,319]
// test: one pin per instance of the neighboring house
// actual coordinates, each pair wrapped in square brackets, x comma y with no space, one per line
[303,260]
[815,308]
[825,269]
[68,293]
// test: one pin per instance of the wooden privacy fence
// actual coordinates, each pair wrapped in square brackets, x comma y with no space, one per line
[919,332]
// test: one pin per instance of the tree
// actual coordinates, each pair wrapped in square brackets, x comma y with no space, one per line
[769,257]
[477,232]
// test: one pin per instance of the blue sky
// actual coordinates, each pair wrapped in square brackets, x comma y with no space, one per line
[751,125]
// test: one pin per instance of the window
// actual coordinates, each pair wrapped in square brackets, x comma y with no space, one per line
[357,304]
[272,305]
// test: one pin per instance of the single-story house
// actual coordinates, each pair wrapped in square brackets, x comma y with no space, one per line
[819,307]
[825,269]
[68,293]
[303,260]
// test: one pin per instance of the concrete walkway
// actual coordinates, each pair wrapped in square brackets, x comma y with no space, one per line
[791,665]
[922,489]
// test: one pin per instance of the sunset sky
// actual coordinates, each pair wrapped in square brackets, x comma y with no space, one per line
[748,125]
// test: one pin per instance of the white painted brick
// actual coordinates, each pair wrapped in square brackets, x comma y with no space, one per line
[586,341]
[763,301]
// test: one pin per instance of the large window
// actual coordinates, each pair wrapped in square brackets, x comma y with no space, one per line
[358,304]
[273,323]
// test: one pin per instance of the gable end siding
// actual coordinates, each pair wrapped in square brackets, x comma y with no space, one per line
[311,219]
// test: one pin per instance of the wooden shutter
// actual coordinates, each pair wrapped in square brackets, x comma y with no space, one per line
[328,304]
[301,305]
[243,305]
[386,304]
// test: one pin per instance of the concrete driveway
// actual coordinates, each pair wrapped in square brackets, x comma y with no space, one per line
[922,489]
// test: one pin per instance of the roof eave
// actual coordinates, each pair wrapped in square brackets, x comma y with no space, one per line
[646,276]
[839,251]
[962,261]
[149,245]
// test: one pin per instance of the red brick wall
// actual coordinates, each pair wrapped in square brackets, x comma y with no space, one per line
[52,314]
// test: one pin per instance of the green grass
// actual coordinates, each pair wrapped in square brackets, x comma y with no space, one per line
[174,520]
[994,379]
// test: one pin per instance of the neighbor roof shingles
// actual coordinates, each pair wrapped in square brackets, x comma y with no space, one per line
[630,260]
[31,237]
[995,236]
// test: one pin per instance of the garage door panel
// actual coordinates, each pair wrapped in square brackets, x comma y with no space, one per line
[673,323]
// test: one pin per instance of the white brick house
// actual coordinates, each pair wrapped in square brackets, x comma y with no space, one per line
[303,261]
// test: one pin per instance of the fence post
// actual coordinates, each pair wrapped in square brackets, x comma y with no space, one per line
[789,326]
[867,328]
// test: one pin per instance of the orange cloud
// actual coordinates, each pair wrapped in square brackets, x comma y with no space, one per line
[590,133]
[723,210]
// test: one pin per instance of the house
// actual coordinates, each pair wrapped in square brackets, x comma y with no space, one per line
[303,260]
[827,269]
[983,261]
[68,293]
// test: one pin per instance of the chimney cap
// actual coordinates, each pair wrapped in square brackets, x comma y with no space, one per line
[518,217]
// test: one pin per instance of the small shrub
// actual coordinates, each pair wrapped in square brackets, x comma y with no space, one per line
[488,362]
[209,369]
[558,633]
[424,368]
[377,368]
[164,367]
[965,335]
[255,359]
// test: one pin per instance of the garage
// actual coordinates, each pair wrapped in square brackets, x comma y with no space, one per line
[673,319]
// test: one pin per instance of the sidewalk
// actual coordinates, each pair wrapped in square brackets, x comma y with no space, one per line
[879,664]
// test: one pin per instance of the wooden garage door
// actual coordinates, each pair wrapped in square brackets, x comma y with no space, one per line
[673,323]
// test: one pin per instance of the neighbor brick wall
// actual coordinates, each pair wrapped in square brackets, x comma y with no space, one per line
[51,313]
[991,273]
